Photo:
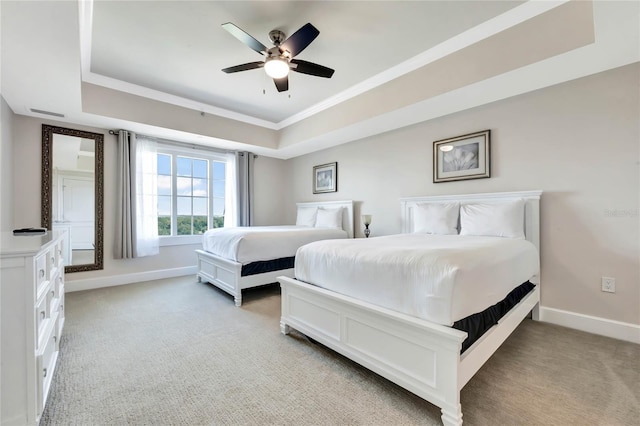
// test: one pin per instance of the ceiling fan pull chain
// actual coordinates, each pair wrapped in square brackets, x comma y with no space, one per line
[264,83]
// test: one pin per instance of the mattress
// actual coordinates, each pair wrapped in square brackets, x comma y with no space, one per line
[439,278]
[258,243]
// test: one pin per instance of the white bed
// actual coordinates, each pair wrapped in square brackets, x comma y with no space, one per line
[417,354]
[224,253]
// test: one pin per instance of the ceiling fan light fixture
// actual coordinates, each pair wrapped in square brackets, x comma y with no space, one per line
[280,58]
[276,67]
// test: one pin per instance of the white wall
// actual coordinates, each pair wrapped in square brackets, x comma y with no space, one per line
[577,141]
[6,166]
[26,178]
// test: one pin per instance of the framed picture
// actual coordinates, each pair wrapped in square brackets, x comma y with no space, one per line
[325,178]
[463,157]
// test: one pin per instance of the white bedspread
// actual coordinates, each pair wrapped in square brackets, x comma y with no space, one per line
[255,243]
[440,278]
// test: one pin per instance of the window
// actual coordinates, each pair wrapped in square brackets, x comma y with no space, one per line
[191,191]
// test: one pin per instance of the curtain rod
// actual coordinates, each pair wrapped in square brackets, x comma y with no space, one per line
[185,144]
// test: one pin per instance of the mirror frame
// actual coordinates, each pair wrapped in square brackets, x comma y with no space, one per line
[47,165]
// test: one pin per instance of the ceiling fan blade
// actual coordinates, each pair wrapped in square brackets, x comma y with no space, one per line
[244,67]
[245,38]
[282,84]
[310,68]
[300,39]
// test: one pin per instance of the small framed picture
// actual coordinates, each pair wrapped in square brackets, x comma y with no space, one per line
[325,178]
[463,157]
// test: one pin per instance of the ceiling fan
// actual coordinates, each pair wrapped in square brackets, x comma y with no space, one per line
[280,58]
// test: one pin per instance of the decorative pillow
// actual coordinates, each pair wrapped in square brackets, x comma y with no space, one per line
[329,218]
[494,220]
[306,216]
[436,218]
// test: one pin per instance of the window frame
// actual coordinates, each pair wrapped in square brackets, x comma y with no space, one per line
[175,151]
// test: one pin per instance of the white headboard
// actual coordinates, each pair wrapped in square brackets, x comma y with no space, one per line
[347,212]
[531,209]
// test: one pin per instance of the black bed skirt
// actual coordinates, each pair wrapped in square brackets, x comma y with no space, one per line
[263,266]
[477,324]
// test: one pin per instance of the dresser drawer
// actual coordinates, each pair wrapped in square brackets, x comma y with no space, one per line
[51,261]
[42,275]
[42,314]
[53,294]
[61,311]
[55,258]
[46,362]
[59,247]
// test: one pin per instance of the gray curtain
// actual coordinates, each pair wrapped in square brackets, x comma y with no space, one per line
[125,219]
[137,214]
[244,175]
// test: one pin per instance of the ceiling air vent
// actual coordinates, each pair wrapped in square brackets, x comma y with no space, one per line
[39,111]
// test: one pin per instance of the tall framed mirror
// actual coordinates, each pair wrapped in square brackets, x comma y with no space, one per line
[72,193]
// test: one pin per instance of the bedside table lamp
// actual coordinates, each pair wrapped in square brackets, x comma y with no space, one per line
[366,219]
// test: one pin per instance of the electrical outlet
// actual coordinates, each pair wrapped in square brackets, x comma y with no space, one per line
[609,284]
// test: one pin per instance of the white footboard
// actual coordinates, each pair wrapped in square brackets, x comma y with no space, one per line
[420,356]
[223,273]
[227,275]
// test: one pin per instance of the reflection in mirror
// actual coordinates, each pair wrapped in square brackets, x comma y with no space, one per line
[73,198]
[72,193]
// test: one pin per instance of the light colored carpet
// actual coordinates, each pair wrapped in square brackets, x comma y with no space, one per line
[178,352]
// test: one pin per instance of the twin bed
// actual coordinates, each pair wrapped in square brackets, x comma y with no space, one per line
[426,308]
[234,259]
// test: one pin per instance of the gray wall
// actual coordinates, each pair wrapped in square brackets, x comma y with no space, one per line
[271,184]
[26,207]
[6,166]
[577,141]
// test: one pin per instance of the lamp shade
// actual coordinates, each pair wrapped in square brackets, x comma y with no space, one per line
[366,219]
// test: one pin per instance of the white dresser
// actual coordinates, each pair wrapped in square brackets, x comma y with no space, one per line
[32,317]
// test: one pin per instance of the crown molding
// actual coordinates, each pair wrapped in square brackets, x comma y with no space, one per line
[480,32]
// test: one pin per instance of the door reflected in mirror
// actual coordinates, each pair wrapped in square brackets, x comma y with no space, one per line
[72,193]
[73,196]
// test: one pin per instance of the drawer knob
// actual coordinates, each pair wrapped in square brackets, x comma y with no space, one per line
[53,260]
[55,338]
[44,372]
[41,273]
[53,293]
[42,314]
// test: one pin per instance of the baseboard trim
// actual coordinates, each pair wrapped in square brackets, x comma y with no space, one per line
[113,280]
[590,324]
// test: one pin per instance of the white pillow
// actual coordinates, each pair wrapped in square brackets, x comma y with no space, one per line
[436,218]
[329,218]
[495,220]
[306,216]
